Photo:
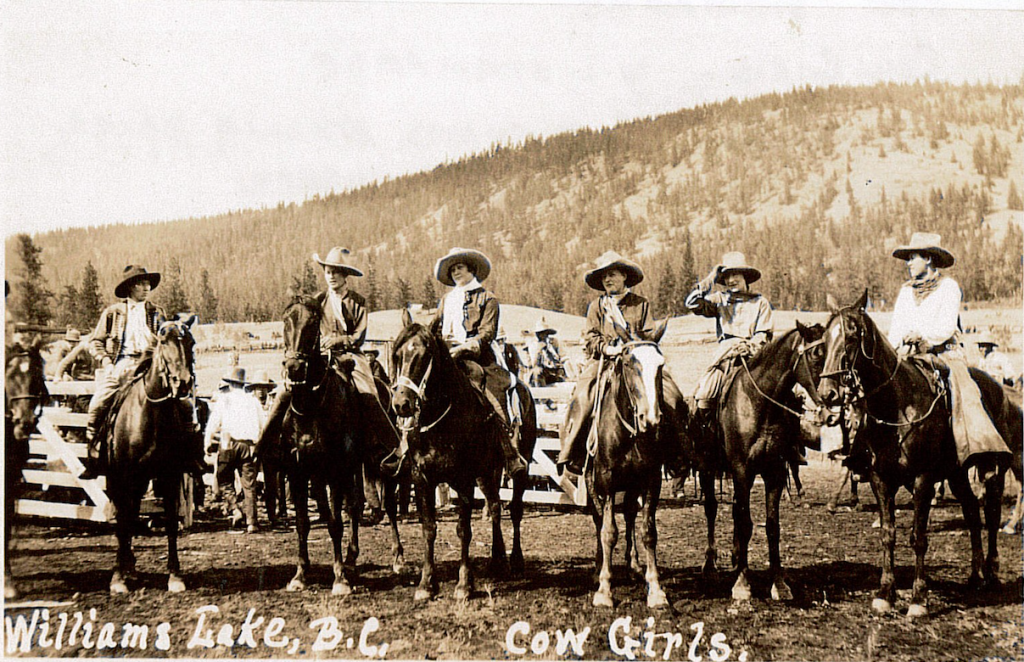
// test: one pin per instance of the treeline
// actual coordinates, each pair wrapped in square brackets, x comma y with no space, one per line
[779,177]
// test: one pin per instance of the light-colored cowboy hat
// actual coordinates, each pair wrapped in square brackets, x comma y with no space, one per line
[926,243]
[73,335]
[235,376]
[735,261]
[133,273]
[335,258]
[260,378]
[612,260]
[477,262]
[541,327]
[986,339]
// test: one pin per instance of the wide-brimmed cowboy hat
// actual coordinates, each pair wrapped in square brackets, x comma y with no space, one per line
[73,335]
[235,376]
[612,260]
[133,273]
[477,262]
[541,327]
[335,258]
[986,339]
[371,352]
[260,378]
[736,262]
[926,243]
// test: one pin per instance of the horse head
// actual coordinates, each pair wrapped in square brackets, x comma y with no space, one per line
[24,388]
[809,364]
[850,335]
[301,338]
[414,355]
[174,355]
[640,366]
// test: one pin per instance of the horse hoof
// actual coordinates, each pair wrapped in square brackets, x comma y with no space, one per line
[398,567]
[118,588]
[1008,530]
[741,593]
[516,564]
[461,593]
[422,594]
[917,611]
[781,591]
[603,600]
[657,599]
[881,606]
[175,585]
[296,585]
[11,591]
[341,588]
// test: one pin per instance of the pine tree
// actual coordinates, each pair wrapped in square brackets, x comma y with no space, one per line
[90,302]
[667,293]
[429,292]
[207,299]
[404,292]
[32,296]
[1013,199]
[174,299]
[306,283]
[67,307]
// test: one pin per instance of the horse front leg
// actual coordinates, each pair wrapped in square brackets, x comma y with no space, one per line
[629,511]
[336,529]
[127,507]
[609,535]
[924,491]
[960,485]
[170,490]
[354,501]
[464,528]
[707,486]
[300,499]
[886,498]
[743,527]
[391,508]
[515,513]
[773,530]
[492,501]
[428,521]
[656,598]
[11,591]
[993,516]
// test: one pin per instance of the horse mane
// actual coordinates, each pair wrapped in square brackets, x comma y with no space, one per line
[443,360]
[770,352]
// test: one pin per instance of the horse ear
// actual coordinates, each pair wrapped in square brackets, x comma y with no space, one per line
[862,302]
[659,330]
[801,329]
[406,317]
[190,320]
[833,305]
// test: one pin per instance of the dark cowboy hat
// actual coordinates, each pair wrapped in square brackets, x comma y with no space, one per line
[986,339]
[926,243]
[736,262]
[235,376]
[334,259]
[541,328]
[133,273]
[371,352]
[612,260]
[477,262]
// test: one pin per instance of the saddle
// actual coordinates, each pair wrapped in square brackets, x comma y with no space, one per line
[104,426]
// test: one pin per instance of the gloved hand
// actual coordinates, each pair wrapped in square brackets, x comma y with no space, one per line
[709,280]
[335,341]
[612,350]
[458,351]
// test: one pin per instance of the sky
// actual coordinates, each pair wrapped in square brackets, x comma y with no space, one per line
[128,112]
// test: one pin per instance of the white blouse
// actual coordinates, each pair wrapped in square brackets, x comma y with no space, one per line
[936,319]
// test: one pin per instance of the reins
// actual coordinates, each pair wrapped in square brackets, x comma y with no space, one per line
[801,355]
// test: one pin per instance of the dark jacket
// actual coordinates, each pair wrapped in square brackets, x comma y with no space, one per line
[109,334]
[480,318]
[600,331]
[348,333]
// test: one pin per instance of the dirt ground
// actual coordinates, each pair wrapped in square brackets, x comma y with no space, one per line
[831,560]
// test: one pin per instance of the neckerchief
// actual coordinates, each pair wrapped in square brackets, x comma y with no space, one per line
[339,313]
[453,324]
[610,306]
[924,286]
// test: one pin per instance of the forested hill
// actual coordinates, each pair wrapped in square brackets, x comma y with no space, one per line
[816,186]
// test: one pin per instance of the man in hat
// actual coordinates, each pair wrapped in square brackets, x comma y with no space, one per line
[342,332]
[58,349]
[995,362]
[237,419]
[124,331]
[926,321]
[375,367]
[743,323]
[546,362]
[616,317]
[77,363]
[467,317]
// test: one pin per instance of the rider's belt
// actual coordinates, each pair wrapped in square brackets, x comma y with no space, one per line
[134,355]
[944,347]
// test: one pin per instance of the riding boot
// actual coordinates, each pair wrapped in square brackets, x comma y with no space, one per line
[575,424]
[91,462]
[272,428]
[515,465]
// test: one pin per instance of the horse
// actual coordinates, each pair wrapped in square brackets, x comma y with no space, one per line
[320,440]
[451,435]
[148,436]
[757,429]
[24,394]
[911,440]
[625,454]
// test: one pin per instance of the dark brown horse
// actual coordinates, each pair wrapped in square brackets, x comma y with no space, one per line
[451,434]
[320,440]
[758,427]
[24,394]
[149,432]
[911,440]
[625,454]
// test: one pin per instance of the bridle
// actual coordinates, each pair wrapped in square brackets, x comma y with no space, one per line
[304,359]
[409,424]
[801,356]
[37,408]
[161,368]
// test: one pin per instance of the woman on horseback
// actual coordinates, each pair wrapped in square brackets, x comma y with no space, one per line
[467,317]
[616,317]
[926,321]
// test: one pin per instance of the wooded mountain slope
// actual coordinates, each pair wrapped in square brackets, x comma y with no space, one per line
[816,186]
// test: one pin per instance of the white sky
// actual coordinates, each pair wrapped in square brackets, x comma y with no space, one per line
[128,112]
